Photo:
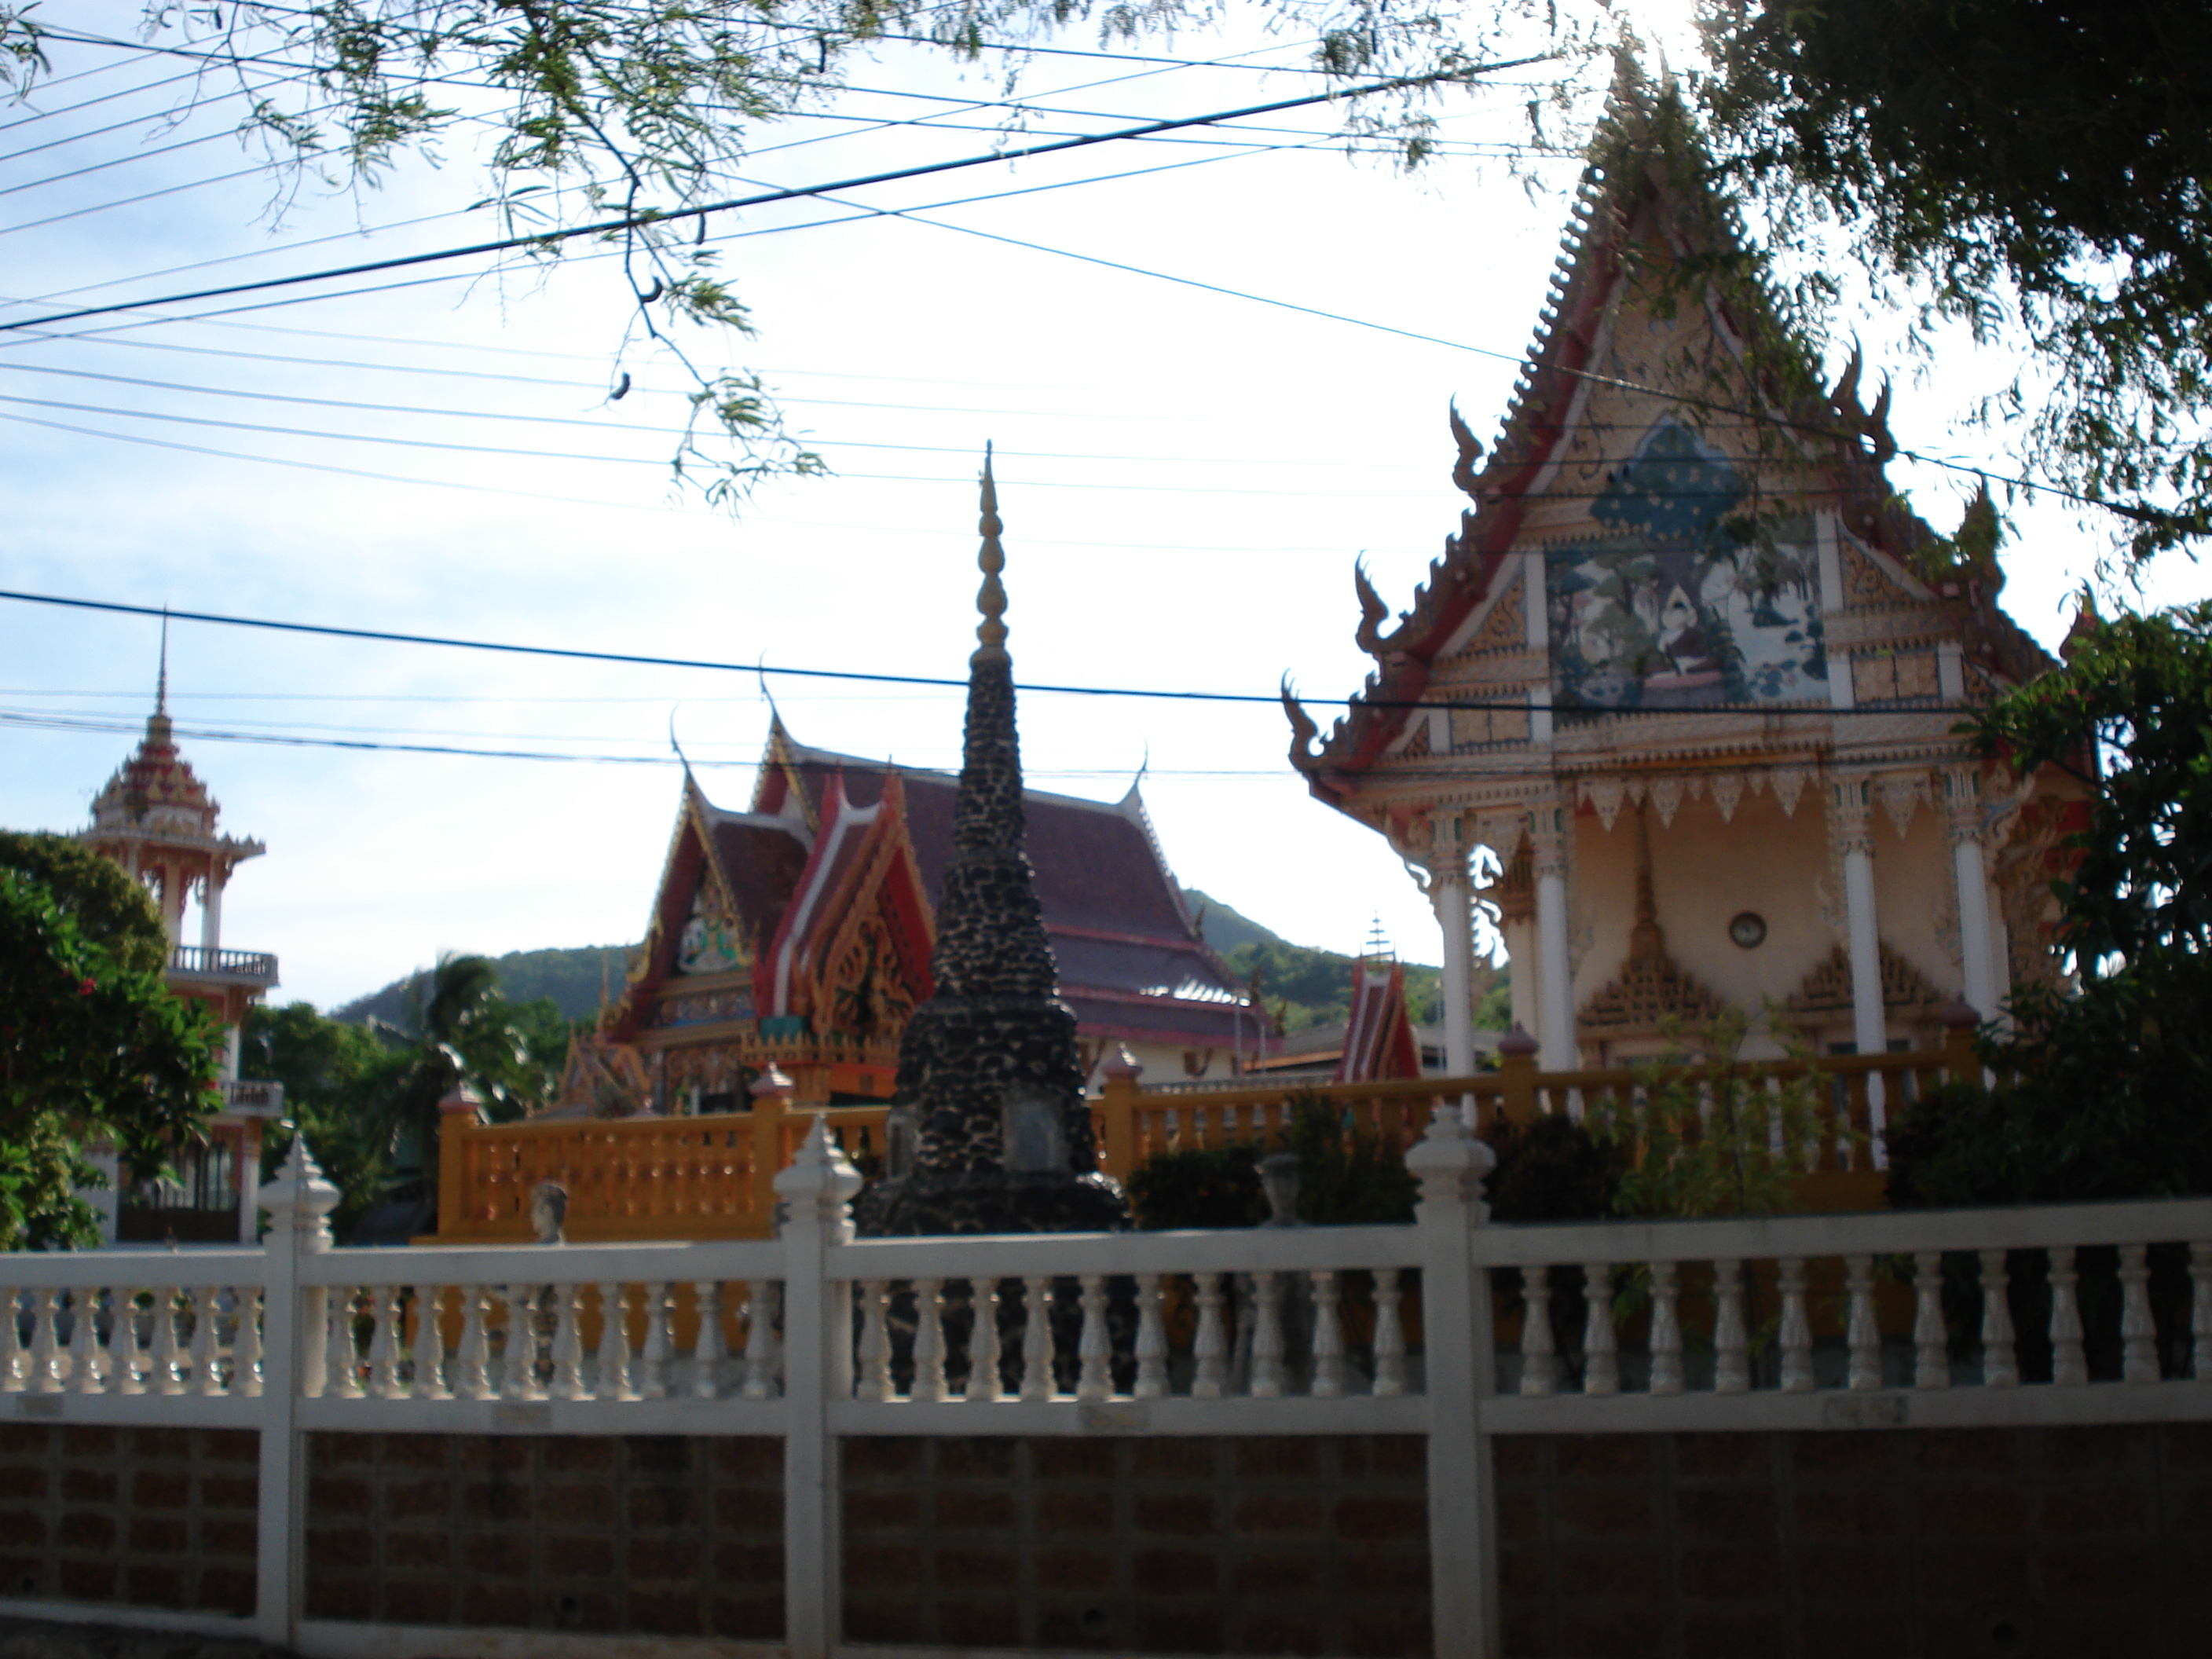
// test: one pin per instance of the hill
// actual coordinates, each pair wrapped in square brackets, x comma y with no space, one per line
[1224,929]
[1311,986]
[569,977]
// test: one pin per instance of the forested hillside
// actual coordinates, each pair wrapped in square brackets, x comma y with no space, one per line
[1310,986]
[569,977]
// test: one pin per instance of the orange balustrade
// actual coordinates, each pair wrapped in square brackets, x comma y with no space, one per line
[712,1177]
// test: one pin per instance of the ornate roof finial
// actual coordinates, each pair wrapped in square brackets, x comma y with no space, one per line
[991,597]
[161,681]
[1646,942]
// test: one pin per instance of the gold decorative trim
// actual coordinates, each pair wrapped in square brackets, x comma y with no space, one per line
[1651,988]
[1827,989]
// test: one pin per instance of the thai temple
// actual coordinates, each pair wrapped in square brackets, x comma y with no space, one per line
[157,819]
[797,934]
[1678,699]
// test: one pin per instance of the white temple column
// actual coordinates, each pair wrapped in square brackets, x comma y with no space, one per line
[1977,944]
[211,918]
[1520,934]
[1555,1028]
[1451,892]
[1851,823]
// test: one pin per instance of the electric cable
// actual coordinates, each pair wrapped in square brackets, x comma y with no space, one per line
[635,221]
[449,412]
[1157,694]
[88,103]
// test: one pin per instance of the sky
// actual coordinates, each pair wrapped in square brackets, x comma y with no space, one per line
[1187,477]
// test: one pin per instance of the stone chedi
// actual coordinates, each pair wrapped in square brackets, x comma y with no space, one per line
[991,1132]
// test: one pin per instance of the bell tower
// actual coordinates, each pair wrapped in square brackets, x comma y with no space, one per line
[157,819]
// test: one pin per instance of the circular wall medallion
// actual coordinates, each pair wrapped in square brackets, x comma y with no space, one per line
[1748,929]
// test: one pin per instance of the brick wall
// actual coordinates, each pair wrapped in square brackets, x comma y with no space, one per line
[656,1534]
[1945,1544]
[1310,1546]
[156,1518]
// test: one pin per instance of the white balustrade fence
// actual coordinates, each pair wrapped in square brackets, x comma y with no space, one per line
[1764,1323]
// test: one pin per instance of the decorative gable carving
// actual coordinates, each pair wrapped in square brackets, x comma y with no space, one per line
[1649,991]
[1652,989]
[1505,630]
[1906,992]
[1867,586]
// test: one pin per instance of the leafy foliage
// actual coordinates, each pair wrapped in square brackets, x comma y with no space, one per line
[1210,1187]
[1712,1139]
[367,1096]
[2135,699]
[89,1048]
[108,907]
[1346,1176]
[570,978]
[616,121]
[333,1073]
[2102,1088]
[2019,167]
[1553,1170]
[1307,987]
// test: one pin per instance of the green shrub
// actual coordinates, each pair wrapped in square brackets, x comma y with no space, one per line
[1219,1187]
[1553,1170]
[1347,1177]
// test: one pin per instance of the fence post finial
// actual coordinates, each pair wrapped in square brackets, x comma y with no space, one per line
[1450,1162]
[820,1183]
[299,1201]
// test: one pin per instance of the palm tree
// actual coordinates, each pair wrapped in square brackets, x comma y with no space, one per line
[463,1033]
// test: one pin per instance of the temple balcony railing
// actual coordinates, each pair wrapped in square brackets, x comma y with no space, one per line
[253,1097]
[712,1177]
[223,967]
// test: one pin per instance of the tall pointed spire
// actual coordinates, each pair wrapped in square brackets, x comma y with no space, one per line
[989,1096]
[159,733]
[991,597]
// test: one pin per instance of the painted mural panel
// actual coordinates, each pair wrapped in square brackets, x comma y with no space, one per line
[1685,596]
[710,942]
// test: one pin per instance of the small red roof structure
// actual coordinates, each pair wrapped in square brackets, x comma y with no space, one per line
[1378,1036]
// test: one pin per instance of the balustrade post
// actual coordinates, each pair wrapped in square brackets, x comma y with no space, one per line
[297,1200]
[771,1095]
[1960,1021]
[1117,1107]
[459,1114]
[1449,1164]
[1516,1077]
[818,1366]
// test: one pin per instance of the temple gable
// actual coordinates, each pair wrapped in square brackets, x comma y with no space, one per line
[1682,581]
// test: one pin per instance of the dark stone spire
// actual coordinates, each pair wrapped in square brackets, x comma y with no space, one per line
[991,1131]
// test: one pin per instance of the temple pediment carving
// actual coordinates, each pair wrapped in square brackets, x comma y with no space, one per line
[1825,993]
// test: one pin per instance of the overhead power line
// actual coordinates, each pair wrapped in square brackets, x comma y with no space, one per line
[764,668]
[636,221]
